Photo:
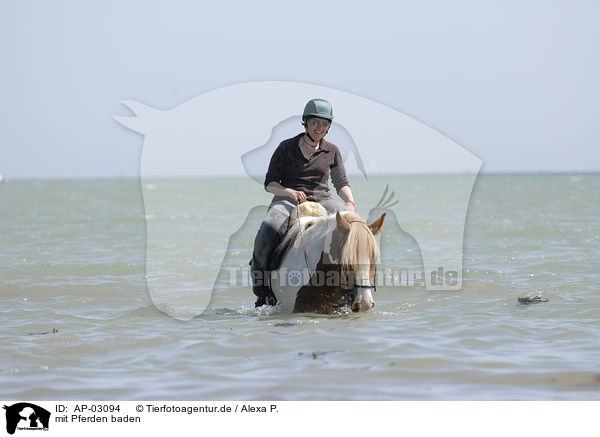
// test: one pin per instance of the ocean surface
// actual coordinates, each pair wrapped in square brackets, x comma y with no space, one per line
[103,286]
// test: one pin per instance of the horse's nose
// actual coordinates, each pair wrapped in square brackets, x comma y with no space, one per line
[356,307]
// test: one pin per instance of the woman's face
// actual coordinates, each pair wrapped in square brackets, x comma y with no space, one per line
[317,127]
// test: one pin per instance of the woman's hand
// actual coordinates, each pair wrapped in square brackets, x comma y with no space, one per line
[297,196]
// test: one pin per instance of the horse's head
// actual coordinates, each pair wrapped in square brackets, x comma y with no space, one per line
[354,245]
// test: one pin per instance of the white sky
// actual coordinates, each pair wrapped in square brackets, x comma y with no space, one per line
[514,82]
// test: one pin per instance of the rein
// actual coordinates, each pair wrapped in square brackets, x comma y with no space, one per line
[301,232]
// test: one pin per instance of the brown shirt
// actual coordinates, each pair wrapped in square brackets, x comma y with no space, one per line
[291,169]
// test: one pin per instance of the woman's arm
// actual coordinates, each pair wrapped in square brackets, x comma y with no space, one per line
[340,180]
[279,190]
[346,194]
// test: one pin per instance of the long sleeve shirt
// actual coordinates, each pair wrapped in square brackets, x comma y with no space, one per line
[291,169]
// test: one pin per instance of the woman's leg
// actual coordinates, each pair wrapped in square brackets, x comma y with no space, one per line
[269,235]
[332,206]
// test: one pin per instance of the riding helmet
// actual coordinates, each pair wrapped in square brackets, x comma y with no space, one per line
[318,108]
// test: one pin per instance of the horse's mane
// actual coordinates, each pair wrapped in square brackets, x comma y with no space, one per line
[360,241]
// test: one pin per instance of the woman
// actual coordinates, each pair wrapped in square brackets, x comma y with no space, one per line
[299,170]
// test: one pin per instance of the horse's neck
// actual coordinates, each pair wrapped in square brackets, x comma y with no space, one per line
[310,243]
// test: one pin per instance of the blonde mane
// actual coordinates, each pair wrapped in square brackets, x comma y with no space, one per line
[360,241]
[360,244]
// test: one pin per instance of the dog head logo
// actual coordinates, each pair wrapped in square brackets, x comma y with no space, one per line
[247,121]
[26,416]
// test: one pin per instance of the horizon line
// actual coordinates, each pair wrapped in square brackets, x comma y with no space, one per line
[5,179]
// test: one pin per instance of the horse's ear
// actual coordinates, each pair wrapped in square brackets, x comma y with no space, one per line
[376,226]
[342,223]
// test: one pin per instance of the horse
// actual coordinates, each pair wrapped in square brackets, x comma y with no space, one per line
[329,266]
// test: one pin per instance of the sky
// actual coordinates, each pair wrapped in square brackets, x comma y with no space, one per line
[513,82]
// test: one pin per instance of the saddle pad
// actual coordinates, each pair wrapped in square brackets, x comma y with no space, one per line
[305,209]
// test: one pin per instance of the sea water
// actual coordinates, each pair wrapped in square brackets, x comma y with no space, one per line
[78,321]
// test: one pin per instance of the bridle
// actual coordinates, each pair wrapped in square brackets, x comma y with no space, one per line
[349,292]
[367,287]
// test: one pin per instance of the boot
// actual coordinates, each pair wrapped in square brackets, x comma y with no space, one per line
[269,299]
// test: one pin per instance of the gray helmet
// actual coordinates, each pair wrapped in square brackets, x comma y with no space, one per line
[318,108]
